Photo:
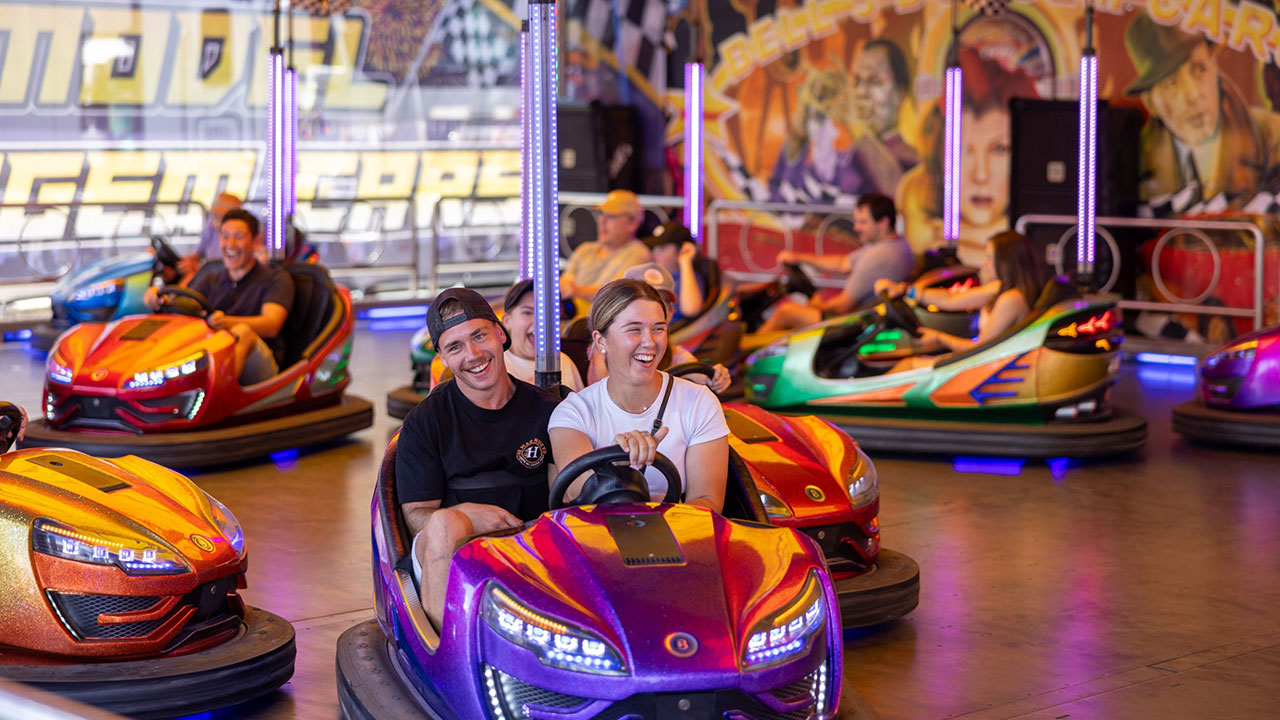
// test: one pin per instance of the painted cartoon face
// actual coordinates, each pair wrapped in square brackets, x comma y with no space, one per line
[875,97]
[1188,100]
[984,166]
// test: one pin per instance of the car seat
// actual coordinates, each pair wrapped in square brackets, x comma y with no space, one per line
[317,312]
[1057,290]
[574,343]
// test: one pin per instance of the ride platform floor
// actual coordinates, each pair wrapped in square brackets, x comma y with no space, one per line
[1141,587]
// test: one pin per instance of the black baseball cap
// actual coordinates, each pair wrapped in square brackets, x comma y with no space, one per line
[670,233]
[516,293]
[474,307]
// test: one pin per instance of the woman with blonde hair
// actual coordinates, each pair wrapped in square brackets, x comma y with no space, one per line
[639,408]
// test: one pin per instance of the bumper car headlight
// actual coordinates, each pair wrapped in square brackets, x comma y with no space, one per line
[555,643]
[99,294]
[788,632]
[160,375]
[1239,351]
[864,484]
[58,372]
[227,525]
[133,556]
[773,506]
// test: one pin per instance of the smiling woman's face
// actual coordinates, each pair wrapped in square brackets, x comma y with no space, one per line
[984,166]
[635,341]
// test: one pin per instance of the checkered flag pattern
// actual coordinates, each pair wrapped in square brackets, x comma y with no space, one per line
[322,7]
[750,187]
[472,38]
[988,7]
[641,24]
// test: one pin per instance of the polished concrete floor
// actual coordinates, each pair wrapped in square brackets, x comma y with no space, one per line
[1146,587]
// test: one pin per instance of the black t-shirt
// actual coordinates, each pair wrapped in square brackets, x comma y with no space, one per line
[246,296]
[452,451]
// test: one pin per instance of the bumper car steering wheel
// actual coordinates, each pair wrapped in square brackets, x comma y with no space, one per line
[899,314]
[165,254]
[691,368]
[797,280]
[176,300]
[612,483]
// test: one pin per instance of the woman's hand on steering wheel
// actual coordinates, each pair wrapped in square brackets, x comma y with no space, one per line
[640,446]
[628,486]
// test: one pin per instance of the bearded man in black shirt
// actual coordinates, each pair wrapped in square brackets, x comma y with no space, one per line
[474,456]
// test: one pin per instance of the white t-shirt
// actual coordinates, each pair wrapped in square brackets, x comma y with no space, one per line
[693,414]
[523,369]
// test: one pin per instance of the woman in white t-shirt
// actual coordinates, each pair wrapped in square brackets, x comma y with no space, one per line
[629,327]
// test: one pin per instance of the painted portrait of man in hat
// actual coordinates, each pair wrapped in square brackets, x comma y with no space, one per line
[1203,148]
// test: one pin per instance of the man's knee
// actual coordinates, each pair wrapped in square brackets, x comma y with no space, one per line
[444,530]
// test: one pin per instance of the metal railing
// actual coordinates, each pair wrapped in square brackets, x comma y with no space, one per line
[507,209]
[774,211]
[358,232]
[50,239]
[1198,229]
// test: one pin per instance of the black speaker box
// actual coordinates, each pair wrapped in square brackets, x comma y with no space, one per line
[599,148]
[1045,170]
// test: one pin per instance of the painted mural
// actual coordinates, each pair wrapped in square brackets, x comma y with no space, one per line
[820,100]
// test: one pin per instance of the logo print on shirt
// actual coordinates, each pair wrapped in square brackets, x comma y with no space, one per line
[532,453]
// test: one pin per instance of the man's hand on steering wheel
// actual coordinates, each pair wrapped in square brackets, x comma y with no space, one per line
[217,320]
[890,289]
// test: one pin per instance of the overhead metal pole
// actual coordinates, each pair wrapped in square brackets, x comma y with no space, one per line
[693,147]
[282,132]
[952,140]
[526,269]
[544,208]
[1086,206]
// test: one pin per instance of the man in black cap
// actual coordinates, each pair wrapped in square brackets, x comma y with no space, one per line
[474,456]
[1203,143]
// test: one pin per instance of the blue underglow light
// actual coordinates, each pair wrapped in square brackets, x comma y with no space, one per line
[989,466]
[14,335]
[395,324]
[1150,358]
[1167,376]
[285,459]
[399,311]
[1058,467]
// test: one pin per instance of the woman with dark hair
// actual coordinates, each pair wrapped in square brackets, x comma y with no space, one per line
[1010,283]
[639,408]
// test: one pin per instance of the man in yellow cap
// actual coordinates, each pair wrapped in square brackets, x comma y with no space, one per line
[593,264]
